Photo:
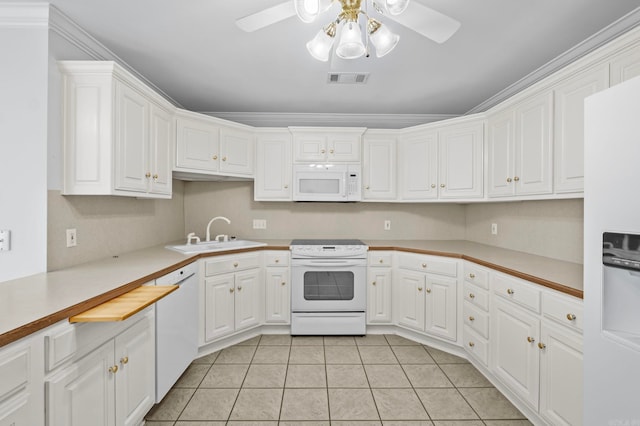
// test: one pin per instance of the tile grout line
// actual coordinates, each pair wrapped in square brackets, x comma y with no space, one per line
[243,379]
[368,382]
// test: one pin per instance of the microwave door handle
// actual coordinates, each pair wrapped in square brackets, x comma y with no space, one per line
[344,185]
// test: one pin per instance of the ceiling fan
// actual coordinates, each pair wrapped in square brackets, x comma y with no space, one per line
[415,16]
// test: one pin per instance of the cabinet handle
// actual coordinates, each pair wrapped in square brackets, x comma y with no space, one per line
[442,185]
[215,157]
[471,318]
[571,317]
[283,283]
[373,283]
[239,287]
[124,360]
[509,180]
[541,345]
[147,175]
[224,158]
[277,260]
[433,185]
[322,151]
[516,178]
[424,265]
[472,296]
[472,275]
[366,187]
[231,290]
[331,152]
[509,291]
[286,187]
[471,344]
[113,369]
[530,339]
[428,290]
[235,264]
[419,288]
[155,177]
[381,261]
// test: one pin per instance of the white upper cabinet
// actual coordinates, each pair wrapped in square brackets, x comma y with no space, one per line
[379,178]
[519,149]
[118,133]
[273,166]
[625,66]
[207,145]
[418,166]
[569,126]
[461,159]
[330,144]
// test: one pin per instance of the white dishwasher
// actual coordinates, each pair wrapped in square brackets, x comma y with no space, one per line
[176,328]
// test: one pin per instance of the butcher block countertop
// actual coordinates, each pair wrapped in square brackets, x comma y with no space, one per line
[35,302]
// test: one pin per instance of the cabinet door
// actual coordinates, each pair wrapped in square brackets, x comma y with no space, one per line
[569,127]
[501,155]
[460,165]
[16,411]
[273,168]
[441,307]
[625,66]
[161,148]
[135,380]
[379,169]
[515,358]
[418,167]
[408,297]
[343,147]
[278,296]
[309,147]
[197,145]
[561,376]
[533,146]
[379,296]
[84,392]
[219,310]
[132,140]
[236,150]
[248,300]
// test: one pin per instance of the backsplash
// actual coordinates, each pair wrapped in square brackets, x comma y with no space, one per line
[109,225]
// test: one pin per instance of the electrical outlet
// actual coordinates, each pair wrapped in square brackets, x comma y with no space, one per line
[259,224]
[5,240]
[387,225]
[494,229]
[72,238]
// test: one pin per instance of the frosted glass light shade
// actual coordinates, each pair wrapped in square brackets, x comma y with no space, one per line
[321,45]
[307,10]
[350,46]
[383,40]
[396,7]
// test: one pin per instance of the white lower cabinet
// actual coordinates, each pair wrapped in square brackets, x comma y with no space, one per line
[379,275]
[113,384]
[277,288]
[232,300]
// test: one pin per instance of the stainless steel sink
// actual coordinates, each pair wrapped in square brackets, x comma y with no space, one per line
[214,246]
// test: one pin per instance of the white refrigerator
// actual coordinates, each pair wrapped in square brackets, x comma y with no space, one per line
[612,235]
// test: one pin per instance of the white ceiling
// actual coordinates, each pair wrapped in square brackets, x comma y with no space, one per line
[194,52]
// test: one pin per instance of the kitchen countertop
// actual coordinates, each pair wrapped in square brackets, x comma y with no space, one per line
[35,302]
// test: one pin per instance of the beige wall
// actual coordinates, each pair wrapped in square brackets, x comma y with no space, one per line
[204,200]
[108,225]
[551,228]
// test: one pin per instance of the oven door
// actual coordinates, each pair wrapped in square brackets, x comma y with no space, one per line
[328,285]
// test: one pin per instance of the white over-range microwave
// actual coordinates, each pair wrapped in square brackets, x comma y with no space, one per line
[327,182]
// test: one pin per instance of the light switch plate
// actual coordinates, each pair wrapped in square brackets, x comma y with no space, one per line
[5,240]
[72,238]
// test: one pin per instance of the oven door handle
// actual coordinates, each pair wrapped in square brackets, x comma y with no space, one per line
[329,263]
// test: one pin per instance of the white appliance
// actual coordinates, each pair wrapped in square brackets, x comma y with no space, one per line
[328,287]
[176,328]
[327,182]
[611,240]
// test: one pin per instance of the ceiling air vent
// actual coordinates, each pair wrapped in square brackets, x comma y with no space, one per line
[348,77]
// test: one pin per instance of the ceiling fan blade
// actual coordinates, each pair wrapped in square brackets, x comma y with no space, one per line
[266,17]
[427,22]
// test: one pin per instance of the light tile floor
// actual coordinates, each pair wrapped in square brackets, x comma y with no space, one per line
[316,381]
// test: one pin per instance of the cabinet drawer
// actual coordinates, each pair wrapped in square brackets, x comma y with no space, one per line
[380,259]
[475,274]
[562,311]
[428,264]
[476,296]
[518,291]
[475,345]
[60,345]
[476,319]
[225,264]
[14,371]
[276,258]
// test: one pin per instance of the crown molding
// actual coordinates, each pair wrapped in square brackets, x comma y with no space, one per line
[68,30]
[599,39]
[24,15]
[373,121]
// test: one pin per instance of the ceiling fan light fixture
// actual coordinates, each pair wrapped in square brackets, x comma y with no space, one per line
[381,37]
[307,10]
[320,46]
[350,46]
[396,7]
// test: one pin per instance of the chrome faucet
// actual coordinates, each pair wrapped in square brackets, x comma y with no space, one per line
[209,227]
